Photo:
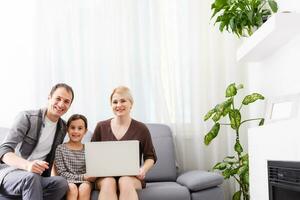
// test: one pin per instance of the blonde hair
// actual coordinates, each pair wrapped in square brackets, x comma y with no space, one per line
[123,90]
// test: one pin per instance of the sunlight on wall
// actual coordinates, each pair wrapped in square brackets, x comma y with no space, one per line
[16,58]
[288,5]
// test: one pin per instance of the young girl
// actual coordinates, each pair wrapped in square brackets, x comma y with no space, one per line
[70,160]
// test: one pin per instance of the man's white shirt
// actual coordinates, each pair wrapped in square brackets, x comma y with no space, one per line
[45,142]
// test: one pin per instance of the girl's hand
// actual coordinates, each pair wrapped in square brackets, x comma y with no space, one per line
[89,178]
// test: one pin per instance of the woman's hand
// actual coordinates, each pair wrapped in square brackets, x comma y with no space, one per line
[142,174]
[145,168]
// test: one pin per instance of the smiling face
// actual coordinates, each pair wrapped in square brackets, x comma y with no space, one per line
[76,130]
[58,103]
[121,104]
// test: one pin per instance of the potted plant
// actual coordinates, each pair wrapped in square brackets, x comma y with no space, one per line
[236,166]
[242,17]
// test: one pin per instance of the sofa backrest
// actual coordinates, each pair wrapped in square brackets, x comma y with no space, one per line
[165,167]
[3,133]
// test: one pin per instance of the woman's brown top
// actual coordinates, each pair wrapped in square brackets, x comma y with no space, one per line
[136,131]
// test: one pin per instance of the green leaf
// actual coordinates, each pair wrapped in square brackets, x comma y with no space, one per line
[228,102]
[262,121]
[226,111]
[250,16]
[245,157]
[209,114]
[224,107]
[220,166]
[222,25]
[237,195]
[258,20]
[219,18]
[217,6]
[213,6]
[232,23]
[220,108]
[235,118]
[230,160]
[217,116]
[226,173]
[231,90]
[233,171]
[246,177]
[229,157]
[242,16]
[242,170]
[220,3]
[273,5]
[238,147]
[212,133]
[252,98]
[214,13]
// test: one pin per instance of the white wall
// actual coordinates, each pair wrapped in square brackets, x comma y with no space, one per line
[288,5]
[279,73]
[274,76]
[275,141]
[16,58]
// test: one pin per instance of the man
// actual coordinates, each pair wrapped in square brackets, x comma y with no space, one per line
[27,153]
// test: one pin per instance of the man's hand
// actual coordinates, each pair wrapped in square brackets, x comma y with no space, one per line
[37,166]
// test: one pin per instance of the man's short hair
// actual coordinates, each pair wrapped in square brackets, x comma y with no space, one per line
[63,85]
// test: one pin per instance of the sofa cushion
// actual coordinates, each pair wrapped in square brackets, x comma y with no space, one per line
[165,167]
[198,180]
[214,193]
[159,191]
[164,191]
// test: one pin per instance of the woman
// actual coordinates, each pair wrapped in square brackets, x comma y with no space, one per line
[123,127]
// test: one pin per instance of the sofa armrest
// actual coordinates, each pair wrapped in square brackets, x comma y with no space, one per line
[198,180]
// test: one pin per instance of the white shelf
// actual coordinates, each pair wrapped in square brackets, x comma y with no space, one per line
[277,31]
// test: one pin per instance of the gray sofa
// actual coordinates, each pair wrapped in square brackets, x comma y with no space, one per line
[163,183]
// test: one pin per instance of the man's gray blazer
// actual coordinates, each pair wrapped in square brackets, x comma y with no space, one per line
[24,135]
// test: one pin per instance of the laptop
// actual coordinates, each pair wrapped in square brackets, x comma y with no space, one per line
[112,158]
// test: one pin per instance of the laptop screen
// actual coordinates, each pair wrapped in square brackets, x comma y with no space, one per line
[112,158]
